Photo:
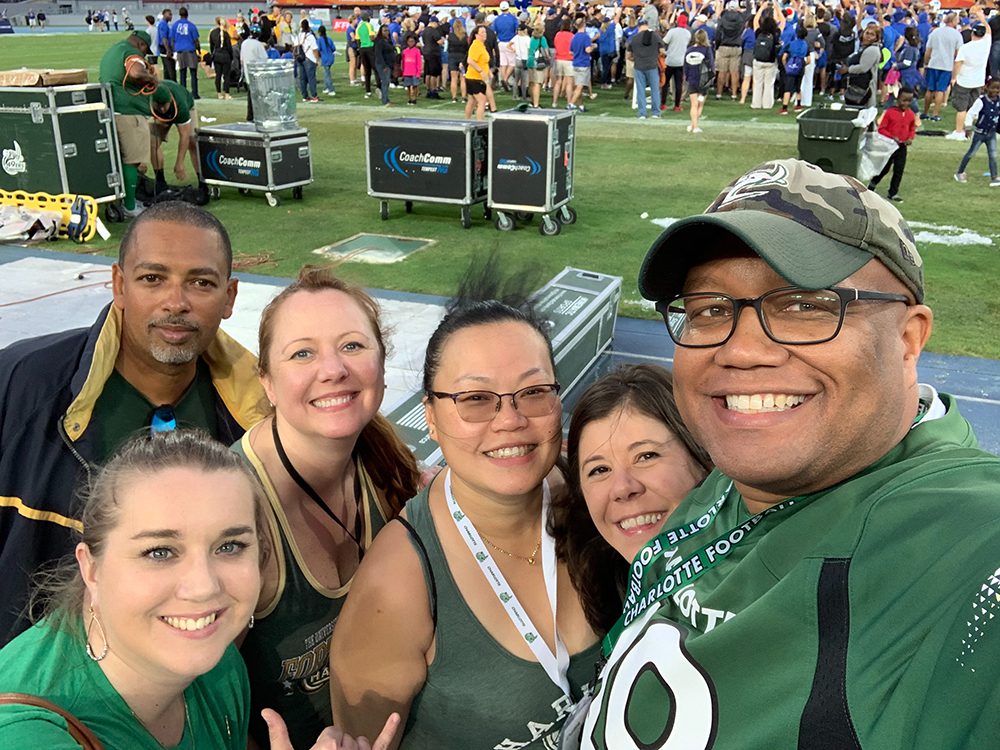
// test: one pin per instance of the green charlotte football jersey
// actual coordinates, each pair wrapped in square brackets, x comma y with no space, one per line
[863,616]
[124,95]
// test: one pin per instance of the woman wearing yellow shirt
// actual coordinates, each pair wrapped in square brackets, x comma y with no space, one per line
[477,72]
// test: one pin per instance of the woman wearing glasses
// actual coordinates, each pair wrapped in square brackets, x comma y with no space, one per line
[334,472]
[461,618]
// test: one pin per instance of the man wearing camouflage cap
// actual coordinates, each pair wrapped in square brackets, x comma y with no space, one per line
[833,583]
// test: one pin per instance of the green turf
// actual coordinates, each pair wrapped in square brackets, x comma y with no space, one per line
[624,168]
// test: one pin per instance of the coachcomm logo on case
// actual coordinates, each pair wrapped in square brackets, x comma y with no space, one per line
[243,166]
[513,165]
[406,163]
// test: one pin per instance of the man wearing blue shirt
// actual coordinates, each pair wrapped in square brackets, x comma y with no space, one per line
[581,46]
[165,48]
[505,27]
[186,46]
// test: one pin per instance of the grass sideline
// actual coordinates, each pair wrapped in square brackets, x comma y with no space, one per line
[624,168]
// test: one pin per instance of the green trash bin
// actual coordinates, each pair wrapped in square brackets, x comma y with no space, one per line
[828,139]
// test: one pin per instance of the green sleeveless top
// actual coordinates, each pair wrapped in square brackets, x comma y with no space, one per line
[478,695]
[288,651]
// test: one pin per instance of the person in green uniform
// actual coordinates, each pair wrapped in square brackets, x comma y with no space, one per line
[334,472]
[124,68]
[173,105]
[834,582]
[462,619]
[366,49]
[154,359]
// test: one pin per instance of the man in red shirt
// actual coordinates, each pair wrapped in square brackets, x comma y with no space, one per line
[900,124]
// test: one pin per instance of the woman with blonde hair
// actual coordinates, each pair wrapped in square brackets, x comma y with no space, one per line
[334,472]
[220,46]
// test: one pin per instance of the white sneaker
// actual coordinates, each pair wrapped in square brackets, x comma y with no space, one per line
[960,177]
[132,213]
[994,183]
[697,130]
[955,136]
[642,117]
[689,128]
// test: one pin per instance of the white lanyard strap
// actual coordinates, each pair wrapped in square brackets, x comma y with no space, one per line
[556,666]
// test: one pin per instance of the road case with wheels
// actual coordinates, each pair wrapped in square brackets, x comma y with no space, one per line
[531,168]
[431,161]
[60,140]
[240,156]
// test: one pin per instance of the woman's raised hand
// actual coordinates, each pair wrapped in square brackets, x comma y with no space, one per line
[331,738]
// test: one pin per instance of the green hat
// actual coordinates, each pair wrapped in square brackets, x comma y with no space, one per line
[161,95]
[144,37]
[813,228]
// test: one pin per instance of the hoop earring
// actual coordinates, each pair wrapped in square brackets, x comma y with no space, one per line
[250,624]
[90,625]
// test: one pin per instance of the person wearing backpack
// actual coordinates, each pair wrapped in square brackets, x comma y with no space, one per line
[767,27]
[843,42]
[794,59]
[699,65]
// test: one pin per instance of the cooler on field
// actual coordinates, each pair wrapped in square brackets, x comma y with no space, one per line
[241,156]
[531,167]
[432,161]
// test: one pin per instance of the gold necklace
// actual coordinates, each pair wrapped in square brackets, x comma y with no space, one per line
[187,723]
[530,559]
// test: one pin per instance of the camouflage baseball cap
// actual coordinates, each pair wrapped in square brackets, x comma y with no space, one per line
[813,228]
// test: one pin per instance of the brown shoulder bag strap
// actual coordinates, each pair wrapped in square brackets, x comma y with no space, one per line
[77,729]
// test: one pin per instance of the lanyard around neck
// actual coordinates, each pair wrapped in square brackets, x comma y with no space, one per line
[556,665]
[312,493]
[682,572]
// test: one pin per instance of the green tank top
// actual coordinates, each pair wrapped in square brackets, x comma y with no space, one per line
[288,651]
[478,695]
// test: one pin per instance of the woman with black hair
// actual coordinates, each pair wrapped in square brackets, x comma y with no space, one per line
[461,617]
[385,61]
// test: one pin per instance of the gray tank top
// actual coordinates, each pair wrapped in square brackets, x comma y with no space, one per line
[478,695]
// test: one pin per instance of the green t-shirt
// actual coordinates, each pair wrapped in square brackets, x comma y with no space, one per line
[126,97]
[52,664]
[365,35]
[864,617]
[121,411]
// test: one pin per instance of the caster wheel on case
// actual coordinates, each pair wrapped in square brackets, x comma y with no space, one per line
[525,216]
[466,217]
[383,209]
[113,213]
[503,222]
[297,193]
[272,199]
[566,215]
[408,206]
[549,226]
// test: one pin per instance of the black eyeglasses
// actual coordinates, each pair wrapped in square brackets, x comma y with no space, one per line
[789,315]
[483,406]
[163,420]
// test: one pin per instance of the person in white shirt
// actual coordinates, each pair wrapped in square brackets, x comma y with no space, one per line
[970,72]
[251,50]
[939,59]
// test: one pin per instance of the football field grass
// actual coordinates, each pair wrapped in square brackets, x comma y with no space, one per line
[628,175]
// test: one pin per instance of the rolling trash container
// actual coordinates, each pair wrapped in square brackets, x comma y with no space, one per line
[432,161]
[241,156]
[829,139]
[61,139]
[531,168]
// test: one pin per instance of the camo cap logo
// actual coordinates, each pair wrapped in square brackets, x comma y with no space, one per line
[812,227]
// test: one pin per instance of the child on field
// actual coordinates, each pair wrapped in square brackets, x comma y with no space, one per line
[900,124]
[413,67]
[986,113]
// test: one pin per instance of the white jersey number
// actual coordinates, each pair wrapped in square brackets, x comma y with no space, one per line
[677,697]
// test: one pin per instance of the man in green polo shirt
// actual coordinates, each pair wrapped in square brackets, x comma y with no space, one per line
[124,68]
[366,48]
[834,584]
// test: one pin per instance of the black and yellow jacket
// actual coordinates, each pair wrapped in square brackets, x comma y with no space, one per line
[48,388]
